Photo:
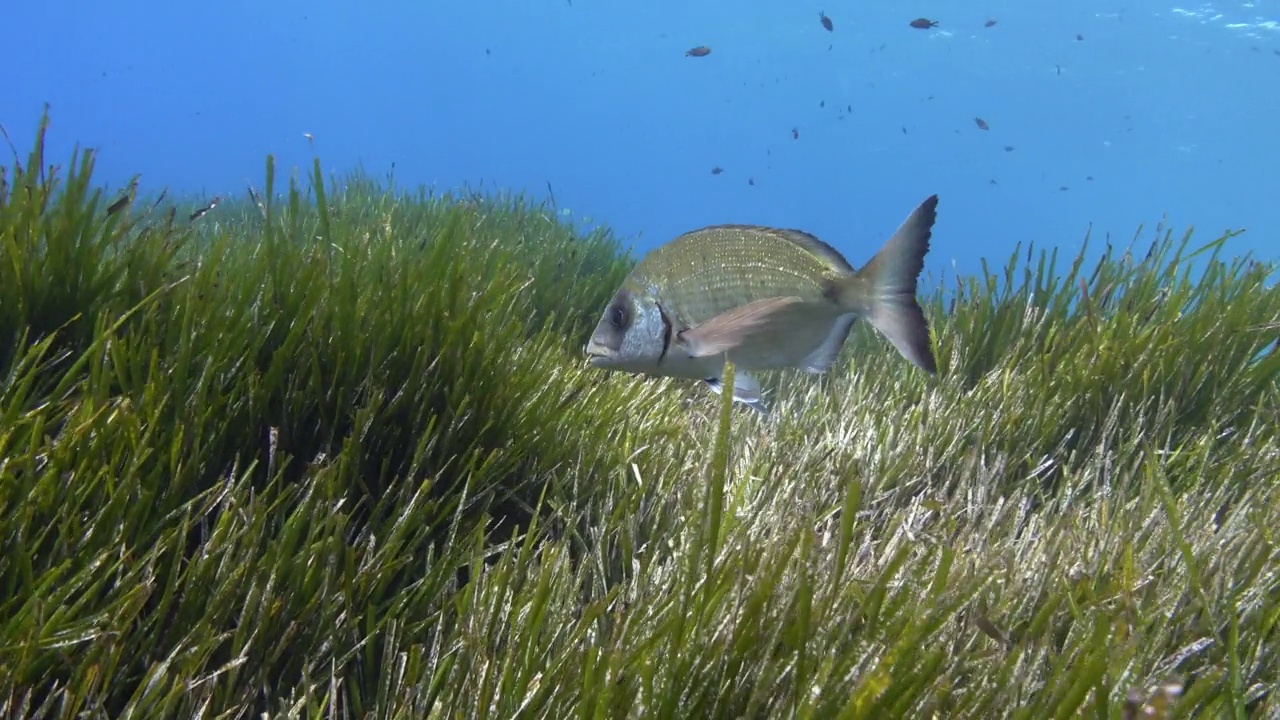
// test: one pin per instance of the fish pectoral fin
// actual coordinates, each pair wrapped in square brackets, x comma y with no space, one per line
[734,328]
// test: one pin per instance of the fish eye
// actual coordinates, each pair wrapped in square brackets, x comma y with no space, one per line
[618,315]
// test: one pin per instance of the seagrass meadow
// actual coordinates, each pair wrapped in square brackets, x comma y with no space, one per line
[332,450]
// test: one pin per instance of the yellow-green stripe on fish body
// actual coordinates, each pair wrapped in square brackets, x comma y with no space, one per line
[765,298]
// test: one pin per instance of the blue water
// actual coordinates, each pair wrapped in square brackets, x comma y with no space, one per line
[1169,109]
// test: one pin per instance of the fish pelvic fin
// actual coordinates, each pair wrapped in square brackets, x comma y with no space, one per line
[884,290]
[746,390]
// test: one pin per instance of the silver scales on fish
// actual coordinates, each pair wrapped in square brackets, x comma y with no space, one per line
[764,298]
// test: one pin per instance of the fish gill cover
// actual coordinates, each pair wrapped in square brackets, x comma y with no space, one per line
[294,441]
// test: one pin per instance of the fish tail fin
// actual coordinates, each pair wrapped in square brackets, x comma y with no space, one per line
[884,290]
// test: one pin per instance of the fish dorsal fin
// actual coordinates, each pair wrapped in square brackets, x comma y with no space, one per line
[732,329]
[818,247]
[811,243]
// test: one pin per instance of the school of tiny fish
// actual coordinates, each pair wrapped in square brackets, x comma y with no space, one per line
[920,23]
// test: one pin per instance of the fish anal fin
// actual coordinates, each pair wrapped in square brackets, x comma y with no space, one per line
[824,356]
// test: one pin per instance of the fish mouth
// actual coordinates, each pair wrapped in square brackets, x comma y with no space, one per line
[597,355]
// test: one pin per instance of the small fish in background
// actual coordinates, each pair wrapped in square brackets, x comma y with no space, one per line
[923,23]
[795,133]
[826,21]
[982,124]
[118,205]
[201,212]
[311,140]
[257,201]
[989,23]
[1159,705]
[771,298]
[700,51]
[129,193]
[1079,37]
[1008,148]
[717,170]
[751,181]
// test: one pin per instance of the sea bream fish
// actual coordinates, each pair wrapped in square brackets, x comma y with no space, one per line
[764,298]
